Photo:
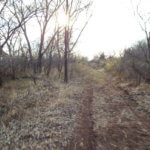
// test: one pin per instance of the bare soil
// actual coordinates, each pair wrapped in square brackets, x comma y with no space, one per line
[119,125]
[84,137]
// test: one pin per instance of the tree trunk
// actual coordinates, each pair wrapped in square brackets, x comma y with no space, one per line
[13,75]
[1,81]
[66,49]
[39,63]
[29,47]
[59,65]
[66,58]
[148,43]
[49,65]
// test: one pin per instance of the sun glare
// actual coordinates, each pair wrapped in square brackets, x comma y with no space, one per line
[63,19]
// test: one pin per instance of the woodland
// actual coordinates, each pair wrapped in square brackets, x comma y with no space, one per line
[52,98]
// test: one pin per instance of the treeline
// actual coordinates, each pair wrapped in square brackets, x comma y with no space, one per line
[53,46]
[133,65]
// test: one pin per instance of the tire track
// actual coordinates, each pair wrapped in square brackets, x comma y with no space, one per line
[84,136]
[118,124]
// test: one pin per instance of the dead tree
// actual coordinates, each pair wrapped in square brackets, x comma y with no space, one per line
[143,19]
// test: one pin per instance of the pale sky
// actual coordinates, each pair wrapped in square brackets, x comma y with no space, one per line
[112,28]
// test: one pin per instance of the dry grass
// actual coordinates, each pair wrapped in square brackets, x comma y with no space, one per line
[17,84]
[14,110]
[11,108]
[14,113]
[49,113]
[47,117]
[18,97]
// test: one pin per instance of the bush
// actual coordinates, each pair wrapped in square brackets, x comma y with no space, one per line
[133,65]
[113,65]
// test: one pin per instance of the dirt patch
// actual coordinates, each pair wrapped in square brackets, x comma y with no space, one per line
[84,137]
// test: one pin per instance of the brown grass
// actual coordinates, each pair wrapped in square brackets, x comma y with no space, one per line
[10,107]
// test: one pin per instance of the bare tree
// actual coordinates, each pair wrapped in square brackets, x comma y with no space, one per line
[3,5]
[11,44]
[143,19]
[59,51]
[49,9]
[73,10]
[20,9]
[66,41]
[9,24]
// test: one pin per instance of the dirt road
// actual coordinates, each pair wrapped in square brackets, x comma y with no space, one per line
[84,137]
[108,119]
[89,115]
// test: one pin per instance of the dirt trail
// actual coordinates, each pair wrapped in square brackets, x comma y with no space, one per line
[117,122]
[86,115]
[84,137]
[108,119]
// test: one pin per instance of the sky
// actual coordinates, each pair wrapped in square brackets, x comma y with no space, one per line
[112,28]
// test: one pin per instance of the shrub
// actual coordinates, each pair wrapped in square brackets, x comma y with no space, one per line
[133,65]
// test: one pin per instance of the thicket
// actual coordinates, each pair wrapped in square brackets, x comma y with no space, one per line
[22,55]
[133,65]
[18,67]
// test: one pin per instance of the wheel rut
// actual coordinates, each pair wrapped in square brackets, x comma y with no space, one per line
[84,136]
